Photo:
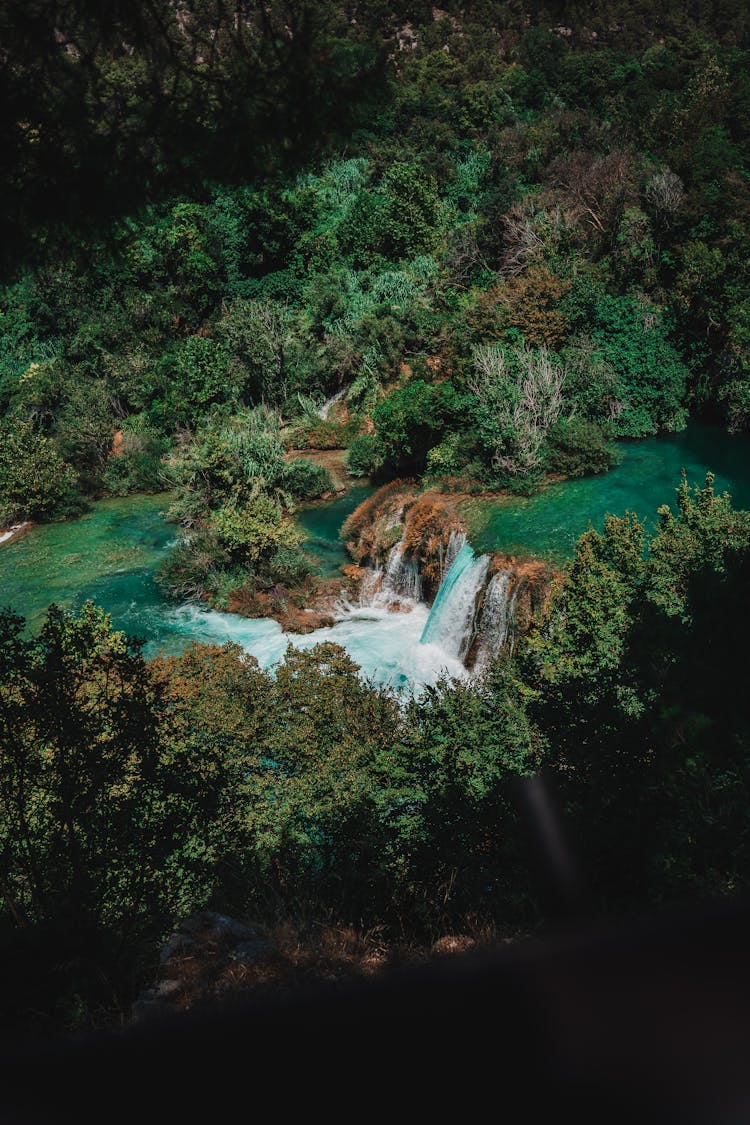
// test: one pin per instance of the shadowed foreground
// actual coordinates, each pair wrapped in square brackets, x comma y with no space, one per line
[645,1021]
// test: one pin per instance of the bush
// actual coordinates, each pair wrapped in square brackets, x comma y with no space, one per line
[288,565]
[35,482]
[578,448]
[448,458]
[254,533]
[415,418]
[137,464]
[305,481]
[188,569]
[319,434]
[365,455]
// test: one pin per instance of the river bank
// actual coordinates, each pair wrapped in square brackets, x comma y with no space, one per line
[6,534]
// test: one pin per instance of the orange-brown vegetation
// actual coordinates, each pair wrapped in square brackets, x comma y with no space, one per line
[531,303]
[289,958]
[364,530]
[597,186]
[428,523]
[354,577]
[299,611]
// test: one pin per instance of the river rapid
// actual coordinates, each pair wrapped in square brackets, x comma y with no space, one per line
[110,555]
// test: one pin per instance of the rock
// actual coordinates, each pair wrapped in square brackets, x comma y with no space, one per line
[205,930]
[202,947]
[251,952]
[175,944]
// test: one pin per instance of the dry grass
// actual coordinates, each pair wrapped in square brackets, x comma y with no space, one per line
[304,958]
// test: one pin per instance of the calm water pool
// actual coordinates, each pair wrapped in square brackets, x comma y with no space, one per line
[549,523]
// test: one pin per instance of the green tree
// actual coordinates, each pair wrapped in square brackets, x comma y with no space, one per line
[639,697]
[35,482]
[79,833]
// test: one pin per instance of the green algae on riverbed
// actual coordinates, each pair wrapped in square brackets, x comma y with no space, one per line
[109,555]
[548,524]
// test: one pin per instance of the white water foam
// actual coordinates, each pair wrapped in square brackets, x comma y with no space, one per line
[387,646]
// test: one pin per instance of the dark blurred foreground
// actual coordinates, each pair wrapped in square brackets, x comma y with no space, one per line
[647,1020]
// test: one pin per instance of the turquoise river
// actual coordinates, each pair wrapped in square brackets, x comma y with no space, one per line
[111,553]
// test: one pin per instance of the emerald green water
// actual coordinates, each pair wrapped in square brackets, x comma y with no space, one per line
[322,522]
[111,553]
[549,524]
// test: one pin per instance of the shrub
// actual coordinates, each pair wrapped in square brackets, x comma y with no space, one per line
[414,418]
[305,481]
[137,465]
[448,457]
[254,533]
[187,571]
[578,447]
[319,434]
[35,482]
[365,455]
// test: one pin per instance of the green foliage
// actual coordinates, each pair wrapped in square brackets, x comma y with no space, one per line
[305,480]
[131,792]
[409,219]
[413,419]
[137,465]
[448,457]
[252,535]
[421,226]
[35,482]
[226,463]
[639,695]
[82,836]
[235,490]
[365,455]
[578,447]
[651,375]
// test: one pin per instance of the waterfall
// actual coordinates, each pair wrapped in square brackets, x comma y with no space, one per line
[402,575]
[326,407]
[398,581]
[370,586]
[451,620]
[512,614]
[456,540]
[498,617]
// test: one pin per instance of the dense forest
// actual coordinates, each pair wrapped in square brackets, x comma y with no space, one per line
[505,239]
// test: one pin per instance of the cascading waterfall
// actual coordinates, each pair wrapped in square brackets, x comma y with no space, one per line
[456,540]
[496,623]
[402,575]
[399,580]
[451,621]
[511,638]
[452,624]
[370,586]
[325,409]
